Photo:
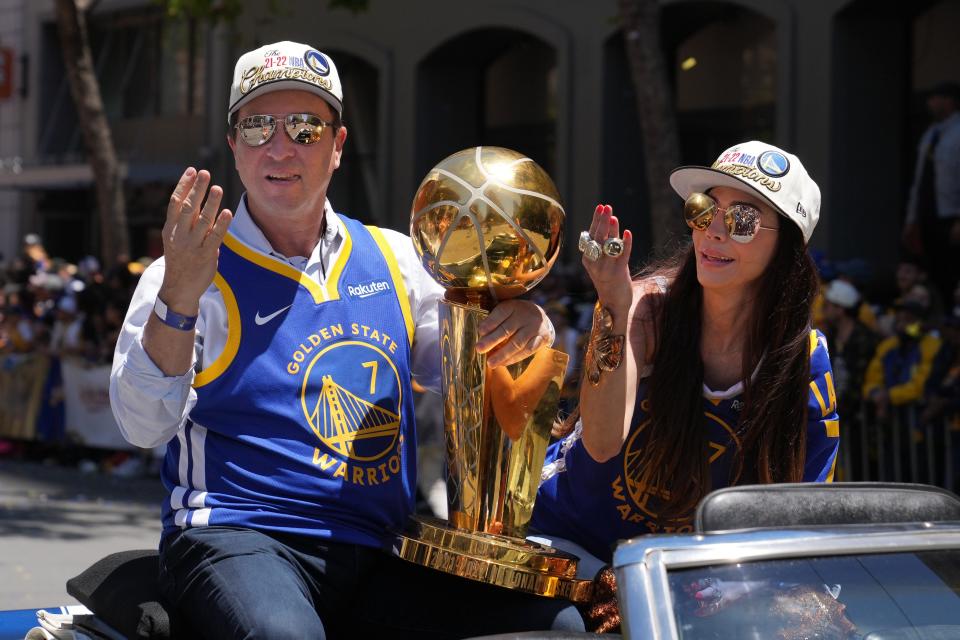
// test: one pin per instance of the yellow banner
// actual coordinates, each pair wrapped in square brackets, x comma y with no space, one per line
[21,391]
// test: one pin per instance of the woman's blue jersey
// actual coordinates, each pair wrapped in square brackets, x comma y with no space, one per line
[596,504]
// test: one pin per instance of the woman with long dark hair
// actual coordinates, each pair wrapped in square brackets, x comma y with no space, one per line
[702,371]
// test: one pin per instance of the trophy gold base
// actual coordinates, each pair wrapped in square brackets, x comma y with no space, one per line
[514,563]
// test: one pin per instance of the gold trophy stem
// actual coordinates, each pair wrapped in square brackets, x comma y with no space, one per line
[497,425]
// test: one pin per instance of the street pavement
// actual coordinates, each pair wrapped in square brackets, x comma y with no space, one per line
[55,521]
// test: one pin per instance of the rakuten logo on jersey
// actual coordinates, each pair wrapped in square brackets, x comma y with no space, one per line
[367,289]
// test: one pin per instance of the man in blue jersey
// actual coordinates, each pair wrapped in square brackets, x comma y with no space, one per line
[272,350]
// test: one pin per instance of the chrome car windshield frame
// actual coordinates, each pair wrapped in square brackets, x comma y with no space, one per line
[642,564]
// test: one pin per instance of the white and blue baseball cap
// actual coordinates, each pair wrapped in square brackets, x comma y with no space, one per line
[285,65]
[776,176]
[842,293]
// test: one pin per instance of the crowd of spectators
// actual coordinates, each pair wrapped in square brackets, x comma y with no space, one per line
[53,306]
[896,367]
[55,309]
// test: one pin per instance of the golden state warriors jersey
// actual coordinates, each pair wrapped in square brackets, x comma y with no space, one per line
[304,425]
[596,504]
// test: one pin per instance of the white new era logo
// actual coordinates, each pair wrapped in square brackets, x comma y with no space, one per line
[262,320]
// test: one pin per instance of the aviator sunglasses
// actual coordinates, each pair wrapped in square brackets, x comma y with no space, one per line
[303,128]
[742,220]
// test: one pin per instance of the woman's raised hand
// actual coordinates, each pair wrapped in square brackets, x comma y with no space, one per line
[618,343]
[610,273]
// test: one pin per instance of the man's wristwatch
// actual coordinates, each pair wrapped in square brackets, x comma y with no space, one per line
[172,318]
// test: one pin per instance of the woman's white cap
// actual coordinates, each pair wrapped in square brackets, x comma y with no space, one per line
[775,175]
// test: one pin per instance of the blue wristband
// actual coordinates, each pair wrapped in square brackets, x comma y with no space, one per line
[172,318]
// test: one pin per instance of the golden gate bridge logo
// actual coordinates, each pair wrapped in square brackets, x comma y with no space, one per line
[645,496]
[348,423]
[639,492]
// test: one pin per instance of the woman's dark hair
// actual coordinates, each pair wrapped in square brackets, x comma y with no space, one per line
[772,427]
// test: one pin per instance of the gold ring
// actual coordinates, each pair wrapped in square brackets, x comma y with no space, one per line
[592,251]
[613,247]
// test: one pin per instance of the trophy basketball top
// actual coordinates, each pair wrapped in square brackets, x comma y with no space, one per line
[487,224]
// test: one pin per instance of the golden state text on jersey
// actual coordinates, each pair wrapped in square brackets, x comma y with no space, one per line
[304,424]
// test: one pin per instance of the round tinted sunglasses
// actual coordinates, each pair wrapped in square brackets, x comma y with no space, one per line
[303,128]
[742,220]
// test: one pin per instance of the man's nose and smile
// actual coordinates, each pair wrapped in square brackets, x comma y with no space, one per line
[280,168]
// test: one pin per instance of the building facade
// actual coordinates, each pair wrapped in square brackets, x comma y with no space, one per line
[11,120]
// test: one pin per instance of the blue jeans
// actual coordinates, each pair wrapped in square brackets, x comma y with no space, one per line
[231,582]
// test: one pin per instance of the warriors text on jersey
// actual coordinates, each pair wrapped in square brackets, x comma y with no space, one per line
[596,504]
[304,424]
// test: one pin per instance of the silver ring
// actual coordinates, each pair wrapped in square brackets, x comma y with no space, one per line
[584,239]
[613,247]
[592,252]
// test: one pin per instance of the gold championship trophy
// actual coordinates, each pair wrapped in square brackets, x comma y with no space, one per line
[487,224]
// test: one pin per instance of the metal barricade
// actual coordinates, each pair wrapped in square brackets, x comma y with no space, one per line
[864,444]
[901,448]
[948,453]
[895,445]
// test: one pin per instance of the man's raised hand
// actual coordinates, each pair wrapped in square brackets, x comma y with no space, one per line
[191,240]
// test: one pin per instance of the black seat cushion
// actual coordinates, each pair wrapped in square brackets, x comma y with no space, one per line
[802,504]
[122,590]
